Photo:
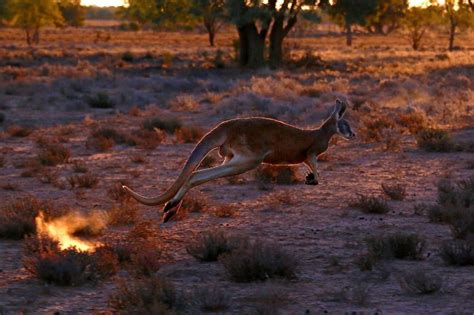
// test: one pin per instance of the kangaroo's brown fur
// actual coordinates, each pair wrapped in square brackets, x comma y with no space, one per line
[247,142]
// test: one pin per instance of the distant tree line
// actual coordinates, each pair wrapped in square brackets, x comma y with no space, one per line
[262,26]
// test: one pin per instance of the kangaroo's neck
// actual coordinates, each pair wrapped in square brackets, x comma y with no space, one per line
[323,134]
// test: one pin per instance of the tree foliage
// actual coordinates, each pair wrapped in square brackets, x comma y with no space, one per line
[387,16]
[417,22]
[73,12]
[212,14]
[31,15]
[347,13]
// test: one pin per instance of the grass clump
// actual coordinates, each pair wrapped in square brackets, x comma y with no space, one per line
[170,125]
[420,282]
[105,138]
[209,246]
[397,246]
[151,295]
[370,204]
[434,140]
[457,253]
[19,131]
[70,267]
[394,191]
[258,261]
[53,154]
[100,100]
[188,134]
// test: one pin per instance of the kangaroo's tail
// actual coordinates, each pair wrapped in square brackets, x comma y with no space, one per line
[210,141]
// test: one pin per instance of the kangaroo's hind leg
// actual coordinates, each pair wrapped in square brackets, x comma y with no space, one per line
[237,165]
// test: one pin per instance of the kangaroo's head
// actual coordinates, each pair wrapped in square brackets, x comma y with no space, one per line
[342,126]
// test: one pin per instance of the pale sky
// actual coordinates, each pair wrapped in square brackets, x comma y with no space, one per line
[116,3]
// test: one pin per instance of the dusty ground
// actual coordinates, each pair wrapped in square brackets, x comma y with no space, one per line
[173,75]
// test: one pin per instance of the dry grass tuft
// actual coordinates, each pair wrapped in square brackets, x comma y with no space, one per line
[434,140]
[170,125]
[374,128]
[100,100]
[86,180]
[124,213]
[53,154]
[420,282]
[209,246]
[281,175]
[79,167]
[151,295]
[394,191]
[370,204]
[258,261]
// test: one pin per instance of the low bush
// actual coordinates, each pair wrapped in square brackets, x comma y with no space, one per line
[434,140]
[281,175]
[209,246]
[374,127]
[170,125]
[258,261]
[399,246]
[211,299]
[18,217]
[70,267]
[394,191]
[86,180]
[420,282]
[151,295]
[458,253]
[53,154]
[100,100]
[188,134]
[19,131]
[370,204]
[145,259]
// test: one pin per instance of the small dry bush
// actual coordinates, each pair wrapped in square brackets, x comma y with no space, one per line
[170,125]
[117,193]
[100,100]
[370,204]
[420,282]
[138,158]
[225,210]
[124,213]
[2,161]
[258,261]
[147,139]
[414,121]
[397,246]
[211,299]
[53,154]
[70,267]
[105,138]
[394,191]
[194,203]
[281,175]
[434,140]
[86,180]
[374,127]
[151,295]
[183,103]
[357,294]
[145,259]
[19,131]
[458,253]
[18,217]
[209,245]
[189,134]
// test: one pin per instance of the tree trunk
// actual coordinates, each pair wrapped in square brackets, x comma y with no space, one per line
[28,37]
[36,36]
[276,43]
[252,47]
[209,24]
[348,34]
[452,32]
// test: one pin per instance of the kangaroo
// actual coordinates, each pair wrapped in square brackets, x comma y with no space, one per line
[244,144]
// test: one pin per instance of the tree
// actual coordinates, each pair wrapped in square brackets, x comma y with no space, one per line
[139,11]
[73,13]
[255,19]
[387,16]
[31,15]
[172,14]
[418,20]
[458,17]
[212,14]
[346,13]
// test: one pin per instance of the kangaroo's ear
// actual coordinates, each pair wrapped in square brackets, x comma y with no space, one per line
[339,109]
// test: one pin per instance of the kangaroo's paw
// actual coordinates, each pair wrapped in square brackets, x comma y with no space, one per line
[311,179]
[168,215]
[169,205]
[170,209]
